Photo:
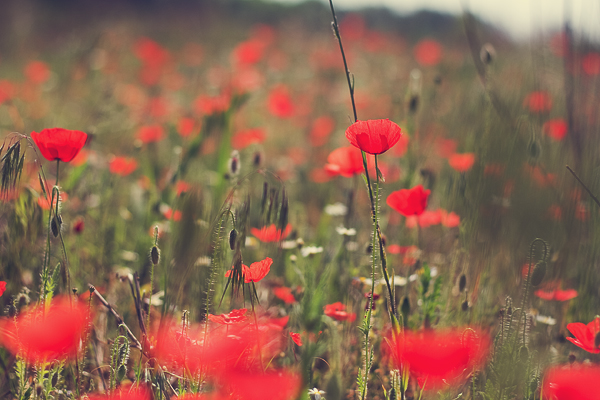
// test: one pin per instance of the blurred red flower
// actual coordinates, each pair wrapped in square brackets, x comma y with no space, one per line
[439,358]
[186,126]
[345,161]
[248,52]
[271,233]
[428,52]
[122,166]
[131,393]
[2,288]
[58,143]
[7,90]
[243,139]
[462,162]
[280,385]
[538,102]
[182,187]
[41,335]
[555,128]
[151,53]
[233,317]
[78,225]
[151,133]
[296,338]
[280,103]
[320,130]
[556,294]
[450,219]
[409,201]
[284,294]
[373,136]
[591,64]
[572,382]
[585,335]
[256,271]
[209,105]
[338,312]
[37,72]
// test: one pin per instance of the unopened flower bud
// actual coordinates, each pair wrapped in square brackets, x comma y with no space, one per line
[232,238]
[55,226]
[234,163]
[155,255]
[462,283]
[465,305]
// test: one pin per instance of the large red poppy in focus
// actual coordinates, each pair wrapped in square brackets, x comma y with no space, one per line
[439,358]
[585,335]
[45,336]
[374,136]
[409,201]
[58,143]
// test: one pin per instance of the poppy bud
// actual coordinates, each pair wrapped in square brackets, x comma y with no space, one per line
[539,271]
[55,226]
[232,237]
[413,104]
[487,54]
[405,307]
[534,149]
[462,283]
[155,255]
[257,159]
[234,163]
[572,358]
[465,305]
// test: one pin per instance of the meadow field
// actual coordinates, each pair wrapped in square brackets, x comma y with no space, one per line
[206,203]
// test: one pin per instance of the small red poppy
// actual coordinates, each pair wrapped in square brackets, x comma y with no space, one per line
[428,52]
[440,358]
[585,335]
[296,338]
[270,233]
[2,287]
[256,271]
[409,201]
[42,335]
[345,161]
[320,130]
[280,102]
[284,294]
[248,137]
[248,52]
[538,102]
[555,128]
[7,90]
[374,136]
[591,64]
[122,166]
[59,144]
[151,133]
[338,312]
[556,294]
[462,162]
[572,382]
[37,72]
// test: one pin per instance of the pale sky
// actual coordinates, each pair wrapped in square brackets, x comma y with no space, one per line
[519,17]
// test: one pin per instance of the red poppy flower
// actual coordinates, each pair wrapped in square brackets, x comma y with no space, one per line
[556,294]
[7,90]
[538,102]
[168,213]
[280,385]
[439,358]
[320,130]
[138,393]
[208,105]
[46,335]
[409,201]
[248,52]
[296,338]
[37,72]
[284,294]
[450,219]
[462,162]
[151,53]
[59,144]
[78,225]
[233,317]
[345,161]
[585,335]
[186,126]
[428,52]
[2,288]
[256,271]
[555,128]
[572,382]
[280,103]
[248,137]
[373,136]
[182,187]
[338,312]
[122,166]
[591,64]
[151,133]
[270,233]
